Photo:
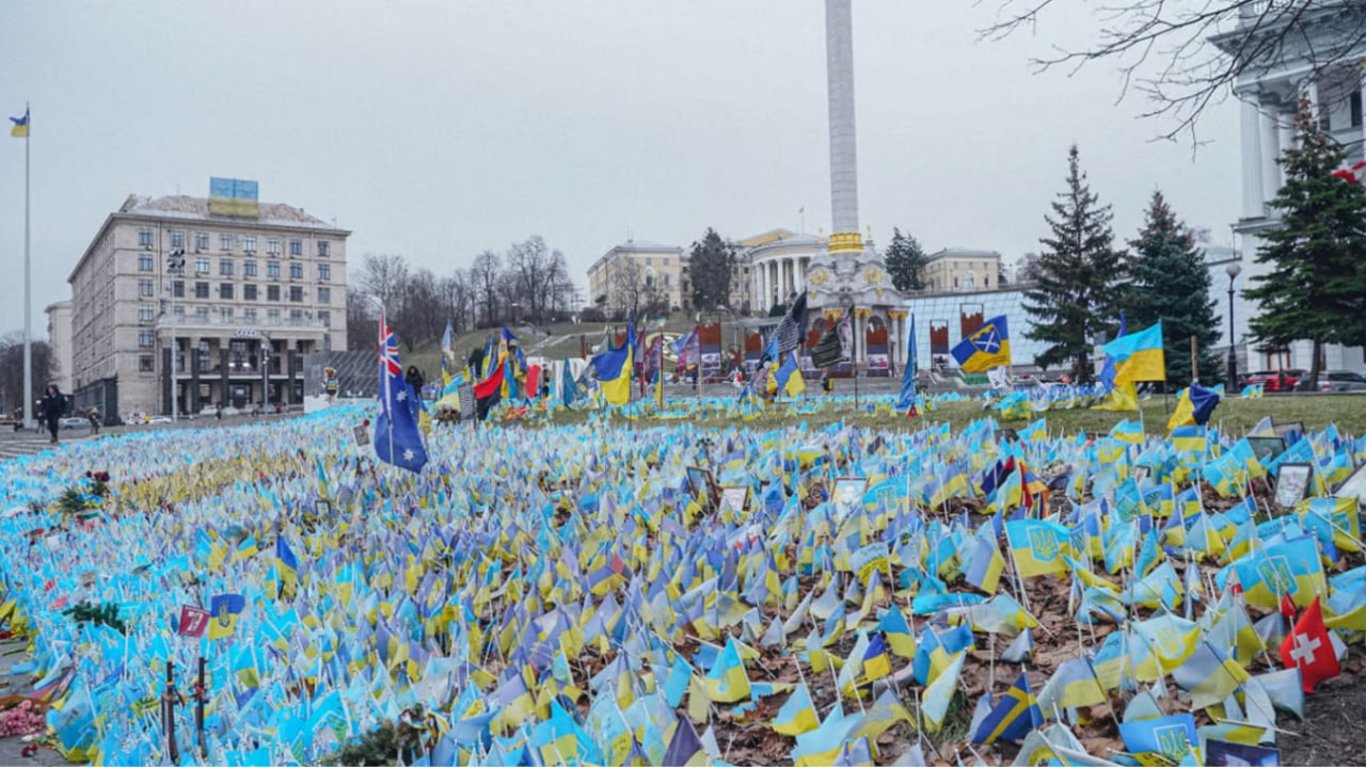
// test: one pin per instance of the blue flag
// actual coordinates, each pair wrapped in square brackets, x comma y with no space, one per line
[907,398]
[397,439]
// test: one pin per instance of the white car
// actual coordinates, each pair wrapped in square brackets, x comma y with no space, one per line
[159,420]
[74,422]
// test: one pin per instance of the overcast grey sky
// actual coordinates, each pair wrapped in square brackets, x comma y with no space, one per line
[438,129]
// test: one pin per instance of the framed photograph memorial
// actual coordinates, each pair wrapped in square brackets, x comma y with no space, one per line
[849,491]
[1354,486]
[1292,481]
[736,497]
[362,435]
[1266,448]
[322,507]
[1289,428]
[702,485]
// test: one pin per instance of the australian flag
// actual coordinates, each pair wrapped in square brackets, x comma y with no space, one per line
[397,439]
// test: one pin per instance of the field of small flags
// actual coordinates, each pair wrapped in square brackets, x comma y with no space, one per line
[657,592]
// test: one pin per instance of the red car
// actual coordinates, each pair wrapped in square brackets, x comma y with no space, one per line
[1271,380]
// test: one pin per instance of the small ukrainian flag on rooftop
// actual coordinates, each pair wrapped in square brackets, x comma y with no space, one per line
[20,129]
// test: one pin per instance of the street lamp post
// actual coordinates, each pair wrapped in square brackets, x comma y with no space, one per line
[1232,269]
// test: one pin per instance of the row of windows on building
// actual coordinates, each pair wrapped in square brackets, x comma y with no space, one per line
[147,363]
[249,316]
[226,267]
[226,242]
[228,291]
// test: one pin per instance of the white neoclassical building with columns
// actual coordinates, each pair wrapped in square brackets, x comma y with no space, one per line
[1269,90]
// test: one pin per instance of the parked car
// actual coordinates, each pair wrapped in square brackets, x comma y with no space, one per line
[159,420]
[1342,381]
[1271,380]
[74,422]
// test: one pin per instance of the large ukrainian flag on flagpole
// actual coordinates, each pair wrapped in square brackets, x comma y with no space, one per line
[1139,356]
[984,348]
[613,369]
[20,129]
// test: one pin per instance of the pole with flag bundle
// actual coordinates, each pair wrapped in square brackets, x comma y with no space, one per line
[21,130]
[853,356]
[659,373]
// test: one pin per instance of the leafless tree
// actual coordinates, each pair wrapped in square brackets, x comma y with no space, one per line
[632,289]
[12,370]
[484,276]
[362,326]
[384,277]
[1184,56]
[533,266]
[457,298]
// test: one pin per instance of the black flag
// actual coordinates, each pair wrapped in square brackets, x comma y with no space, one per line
[830,350]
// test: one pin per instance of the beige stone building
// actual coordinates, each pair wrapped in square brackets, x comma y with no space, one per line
[262,285]
[637,274]
[951,270]
[59,340]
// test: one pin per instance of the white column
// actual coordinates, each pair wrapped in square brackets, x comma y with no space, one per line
[789,278]
[1252,161]
[1269,149]
[1285,124]
[1362,94]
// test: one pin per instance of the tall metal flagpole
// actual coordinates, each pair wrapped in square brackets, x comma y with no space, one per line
[28,285]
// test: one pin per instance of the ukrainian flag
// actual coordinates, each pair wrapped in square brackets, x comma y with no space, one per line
[20,129]
[1189,439]
[1139,356]
[225,610]
[1194,406]
[1039,546]
[613,369]
[987,347]
[788,377]
[288,565]
[1288,568]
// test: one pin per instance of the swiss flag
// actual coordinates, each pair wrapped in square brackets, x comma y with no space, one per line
[1309,648]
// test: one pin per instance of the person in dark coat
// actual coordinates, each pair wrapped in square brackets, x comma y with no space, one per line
[52,407]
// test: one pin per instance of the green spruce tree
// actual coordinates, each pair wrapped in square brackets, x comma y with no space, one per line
[711,267]
[1169,282]
[905,262]
[1315,288]
[1077,277]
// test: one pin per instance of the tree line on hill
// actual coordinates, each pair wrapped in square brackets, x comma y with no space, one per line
[527,283]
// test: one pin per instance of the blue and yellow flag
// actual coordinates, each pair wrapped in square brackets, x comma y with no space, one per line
[1139,356]
[1039,546]
[1013,717]
[20,129]
[1194,406]
[613,369]
[788,377]
[1171,739]
[225,609]
[288,565]
[984,348]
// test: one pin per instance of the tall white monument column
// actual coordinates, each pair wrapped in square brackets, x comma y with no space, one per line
[839,73]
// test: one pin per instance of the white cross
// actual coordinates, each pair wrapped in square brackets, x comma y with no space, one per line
[1303,652]
[408,455]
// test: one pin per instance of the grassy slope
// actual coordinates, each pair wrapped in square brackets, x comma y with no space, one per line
[1234,417]
[427,355]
